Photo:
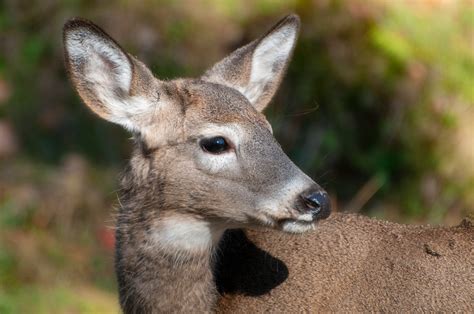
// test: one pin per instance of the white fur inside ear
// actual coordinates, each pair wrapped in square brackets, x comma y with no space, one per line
[104,62]
[269,58]
[100,64]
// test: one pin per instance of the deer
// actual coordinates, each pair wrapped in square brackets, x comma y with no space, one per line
[205,165]
[204,160]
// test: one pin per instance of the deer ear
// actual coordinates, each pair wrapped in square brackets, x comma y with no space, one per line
[103,74]
[257,69]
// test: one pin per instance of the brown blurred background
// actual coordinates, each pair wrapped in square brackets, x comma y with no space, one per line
[377,106]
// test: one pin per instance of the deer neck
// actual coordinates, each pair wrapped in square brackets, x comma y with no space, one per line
[166,265]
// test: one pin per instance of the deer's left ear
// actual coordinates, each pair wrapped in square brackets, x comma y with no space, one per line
[257,69]
[112,83]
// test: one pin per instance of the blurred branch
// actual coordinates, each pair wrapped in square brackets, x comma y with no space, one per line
[364,195]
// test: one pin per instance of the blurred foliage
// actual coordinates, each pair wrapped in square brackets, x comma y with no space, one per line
[377,107]
[55,238]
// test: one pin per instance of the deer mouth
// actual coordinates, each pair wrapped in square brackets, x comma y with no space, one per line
[296,225]
[290,223]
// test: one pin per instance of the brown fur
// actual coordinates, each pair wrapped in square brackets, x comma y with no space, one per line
[352,263]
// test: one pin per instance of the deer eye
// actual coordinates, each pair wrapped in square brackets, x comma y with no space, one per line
[214,145]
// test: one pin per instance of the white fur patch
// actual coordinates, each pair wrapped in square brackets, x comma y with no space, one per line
[271,51]
[306,217]
[186,234]
[297,226]
[216,163]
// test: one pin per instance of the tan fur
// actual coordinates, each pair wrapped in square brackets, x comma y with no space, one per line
[352,263]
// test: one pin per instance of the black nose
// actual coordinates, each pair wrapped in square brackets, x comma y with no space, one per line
[318,203]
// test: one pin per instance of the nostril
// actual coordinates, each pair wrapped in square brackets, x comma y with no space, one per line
[318,204]
[313,201]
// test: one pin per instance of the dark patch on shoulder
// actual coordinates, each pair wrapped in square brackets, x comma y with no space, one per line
[451,244]
[390,264]
[467,223]
[243,268]
[430,251]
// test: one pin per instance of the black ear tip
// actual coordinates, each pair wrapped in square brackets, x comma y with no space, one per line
[79,24]
[79,32]
[75,23]
[292,19]
[295,18]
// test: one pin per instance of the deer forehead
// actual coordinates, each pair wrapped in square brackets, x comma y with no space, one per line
[218,103]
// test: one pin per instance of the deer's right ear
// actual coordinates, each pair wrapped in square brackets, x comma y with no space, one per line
[104,75]
[257,69]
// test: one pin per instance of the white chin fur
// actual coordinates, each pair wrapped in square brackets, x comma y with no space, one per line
[293,226]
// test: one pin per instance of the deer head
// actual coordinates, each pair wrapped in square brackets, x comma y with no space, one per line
[204,150]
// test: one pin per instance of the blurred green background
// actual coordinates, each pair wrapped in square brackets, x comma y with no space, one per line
[377,106]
